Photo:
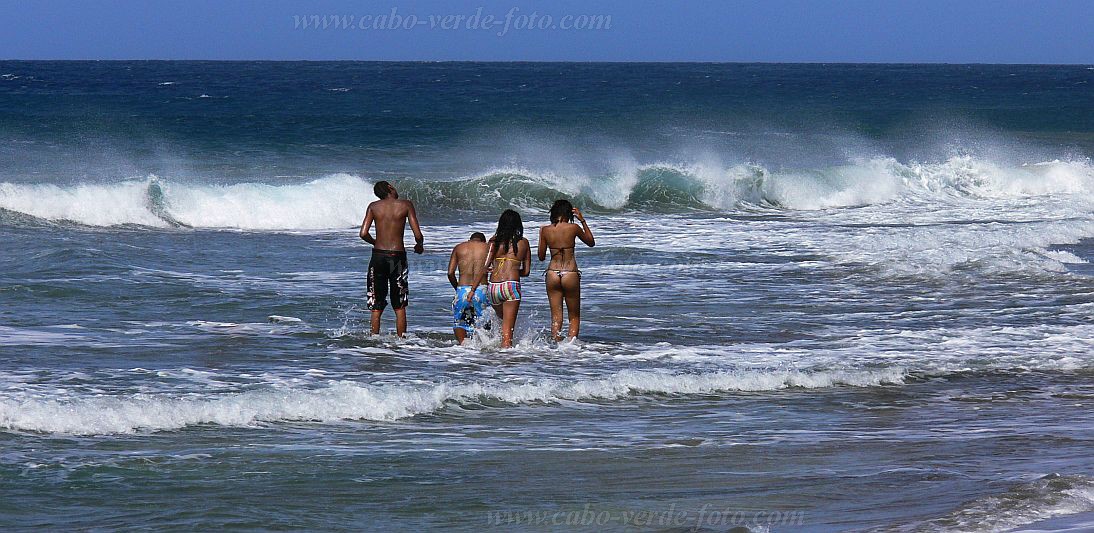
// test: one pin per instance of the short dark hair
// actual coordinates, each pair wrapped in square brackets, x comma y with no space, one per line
[477,236]
[382,189]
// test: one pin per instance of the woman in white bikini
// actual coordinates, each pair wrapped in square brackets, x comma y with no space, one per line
[562,276]
[509,259]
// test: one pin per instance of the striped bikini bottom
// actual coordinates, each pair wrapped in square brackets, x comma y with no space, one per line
[503,291]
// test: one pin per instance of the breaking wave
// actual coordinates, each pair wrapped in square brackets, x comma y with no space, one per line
[346,400]
[338,201]
[332,202]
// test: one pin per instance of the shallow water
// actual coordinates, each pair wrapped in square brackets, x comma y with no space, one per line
[802,312]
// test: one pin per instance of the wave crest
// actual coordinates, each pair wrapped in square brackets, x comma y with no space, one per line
[352,401]
[338,201]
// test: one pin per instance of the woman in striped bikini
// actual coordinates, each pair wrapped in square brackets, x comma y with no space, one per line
[509,259]
[562,276]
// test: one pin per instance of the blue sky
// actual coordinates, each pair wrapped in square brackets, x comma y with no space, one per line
[973,31]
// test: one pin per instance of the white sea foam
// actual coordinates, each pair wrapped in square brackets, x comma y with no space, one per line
[880,180]
[988,246]
[91,204]
[337,201]
[1048,497]
[278,319]
[345,400]
[1065,256]
[10,336]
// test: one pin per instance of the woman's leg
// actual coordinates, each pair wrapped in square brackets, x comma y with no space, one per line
[571,291]
[508,322]
[554,297]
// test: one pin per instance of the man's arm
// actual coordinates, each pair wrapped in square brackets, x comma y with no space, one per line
[419,239]
[542,246]
[452,262]
[366,226]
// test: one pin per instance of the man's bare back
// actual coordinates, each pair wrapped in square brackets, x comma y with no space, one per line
[468,258]
[390,216]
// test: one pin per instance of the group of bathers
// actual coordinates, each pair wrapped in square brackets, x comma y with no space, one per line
[387,277]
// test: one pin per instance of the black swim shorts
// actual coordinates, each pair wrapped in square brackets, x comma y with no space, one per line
[387,273]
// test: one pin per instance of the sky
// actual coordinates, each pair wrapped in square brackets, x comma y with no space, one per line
[900,31]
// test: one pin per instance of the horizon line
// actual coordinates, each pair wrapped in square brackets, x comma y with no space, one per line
[547,61]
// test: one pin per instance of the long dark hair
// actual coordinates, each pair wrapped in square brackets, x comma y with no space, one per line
[510,231]
[562,211]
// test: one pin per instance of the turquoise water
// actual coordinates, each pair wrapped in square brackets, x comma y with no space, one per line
[823,297]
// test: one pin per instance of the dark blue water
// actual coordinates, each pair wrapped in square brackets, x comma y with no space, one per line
[300,119]
[823,297]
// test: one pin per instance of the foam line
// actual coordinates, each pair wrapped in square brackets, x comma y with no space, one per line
[345,400]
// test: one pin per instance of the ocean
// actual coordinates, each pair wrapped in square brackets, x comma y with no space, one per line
[822,297]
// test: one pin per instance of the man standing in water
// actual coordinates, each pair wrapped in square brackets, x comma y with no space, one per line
[388,271]
[468,257]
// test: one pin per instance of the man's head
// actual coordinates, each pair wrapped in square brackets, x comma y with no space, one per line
[477,236]
[383,189]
